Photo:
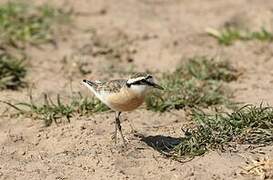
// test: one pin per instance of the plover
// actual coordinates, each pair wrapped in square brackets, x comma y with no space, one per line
[122,94]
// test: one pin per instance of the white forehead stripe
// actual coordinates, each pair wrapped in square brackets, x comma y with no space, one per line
[130,81]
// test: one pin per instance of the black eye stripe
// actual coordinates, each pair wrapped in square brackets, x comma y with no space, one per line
[137,82]
[143,81]
[149,77]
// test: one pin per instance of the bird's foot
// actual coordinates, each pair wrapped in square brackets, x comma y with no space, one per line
[115,139]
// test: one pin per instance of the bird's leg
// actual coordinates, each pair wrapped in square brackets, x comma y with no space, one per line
[132,127]
[116,130]
[118,126]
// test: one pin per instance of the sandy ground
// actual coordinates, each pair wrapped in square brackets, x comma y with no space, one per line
[108,36]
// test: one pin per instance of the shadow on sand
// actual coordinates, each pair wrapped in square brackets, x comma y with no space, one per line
[163,144]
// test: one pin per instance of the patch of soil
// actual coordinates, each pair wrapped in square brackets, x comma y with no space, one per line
[110,37]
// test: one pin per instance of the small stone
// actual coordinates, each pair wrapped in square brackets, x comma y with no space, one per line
[83,127]
[175,43]
[130,59]
[103,11]
[173,169]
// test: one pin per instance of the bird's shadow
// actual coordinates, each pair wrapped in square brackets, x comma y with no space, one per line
[163,144]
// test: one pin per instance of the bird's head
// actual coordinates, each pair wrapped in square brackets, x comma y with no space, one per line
[141,82]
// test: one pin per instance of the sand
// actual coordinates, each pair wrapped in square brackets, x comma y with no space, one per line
[108,36]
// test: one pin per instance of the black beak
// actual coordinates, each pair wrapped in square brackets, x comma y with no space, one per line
[157,86]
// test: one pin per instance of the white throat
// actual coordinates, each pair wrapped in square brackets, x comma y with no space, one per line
[139,89]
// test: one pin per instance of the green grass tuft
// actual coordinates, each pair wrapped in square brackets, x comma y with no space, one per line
[20,23]
[56,111]
[204,68]
[12,72]
[247,125]
[180,93]
[195,83]
[230,34]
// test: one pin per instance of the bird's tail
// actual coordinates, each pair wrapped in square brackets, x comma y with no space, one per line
[90,83]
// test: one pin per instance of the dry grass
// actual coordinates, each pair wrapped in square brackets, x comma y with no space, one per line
[261,167]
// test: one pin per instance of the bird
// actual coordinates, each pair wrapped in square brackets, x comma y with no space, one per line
[122,95]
